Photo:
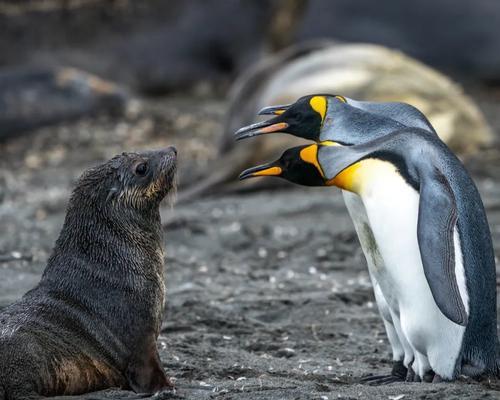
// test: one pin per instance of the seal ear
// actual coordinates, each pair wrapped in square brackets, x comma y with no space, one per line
[112,193]
[437,220]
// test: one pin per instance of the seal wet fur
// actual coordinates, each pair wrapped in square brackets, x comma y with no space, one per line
[93,320]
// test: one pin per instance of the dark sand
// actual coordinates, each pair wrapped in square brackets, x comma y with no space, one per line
[268,293]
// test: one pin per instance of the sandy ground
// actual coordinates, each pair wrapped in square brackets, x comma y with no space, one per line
[268,293]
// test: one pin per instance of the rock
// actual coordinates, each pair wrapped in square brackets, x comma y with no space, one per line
[285,352]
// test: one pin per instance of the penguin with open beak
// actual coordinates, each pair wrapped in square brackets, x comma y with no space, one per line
[332,117]
[438,275]
[347,121]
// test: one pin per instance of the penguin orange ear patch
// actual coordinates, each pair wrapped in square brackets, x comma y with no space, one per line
[309,154]
[318,104]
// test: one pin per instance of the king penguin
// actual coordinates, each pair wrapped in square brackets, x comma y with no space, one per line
[348,121]
[438,275]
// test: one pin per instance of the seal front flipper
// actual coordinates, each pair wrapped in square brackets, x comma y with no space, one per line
[144,372]
[437,221]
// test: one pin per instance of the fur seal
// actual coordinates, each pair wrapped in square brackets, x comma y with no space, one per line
[38,96]
[93,320]
[361,71]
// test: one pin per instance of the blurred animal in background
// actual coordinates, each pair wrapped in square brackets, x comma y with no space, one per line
[158,46]
[418,29]
[153,47]
[34,97]
[361,71]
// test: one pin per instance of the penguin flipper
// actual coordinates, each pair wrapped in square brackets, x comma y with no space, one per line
[437,218]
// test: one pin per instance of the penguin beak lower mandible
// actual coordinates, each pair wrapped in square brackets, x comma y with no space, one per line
[260,128]
[276,124]
[261,170]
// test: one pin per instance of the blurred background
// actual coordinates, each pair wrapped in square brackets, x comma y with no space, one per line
[83,80]
[160,71]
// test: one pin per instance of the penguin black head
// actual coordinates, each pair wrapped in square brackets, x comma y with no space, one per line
[304,118]
[298,165]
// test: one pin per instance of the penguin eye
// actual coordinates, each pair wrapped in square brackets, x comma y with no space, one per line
[141,169]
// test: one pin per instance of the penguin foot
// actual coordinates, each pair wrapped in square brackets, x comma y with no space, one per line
[399,370]
[398,374]
[410,375]
[429,376]
[437,379]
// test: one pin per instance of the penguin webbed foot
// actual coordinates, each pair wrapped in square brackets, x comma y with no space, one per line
[398,374]
[411,376]
[429,377]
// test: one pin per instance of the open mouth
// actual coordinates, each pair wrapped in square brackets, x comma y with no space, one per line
[270,126]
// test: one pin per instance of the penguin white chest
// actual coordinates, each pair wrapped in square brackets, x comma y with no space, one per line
[392,208]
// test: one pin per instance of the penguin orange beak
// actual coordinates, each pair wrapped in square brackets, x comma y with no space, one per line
[270,126]
[260,128]
[274,110]
[262,170]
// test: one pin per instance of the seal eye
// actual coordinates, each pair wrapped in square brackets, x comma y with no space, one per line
[141,169]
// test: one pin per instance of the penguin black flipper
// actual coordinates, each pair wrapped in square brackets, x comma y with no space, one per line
[437,220]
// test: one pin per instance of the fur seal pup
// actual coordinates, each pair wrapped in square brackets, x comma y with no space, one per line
[360,71]
[93,320]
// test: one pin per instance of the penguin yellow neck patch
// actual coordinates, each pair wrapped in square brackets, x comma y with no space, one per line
[348,179]
[363,176]
[309,154]
[318,104]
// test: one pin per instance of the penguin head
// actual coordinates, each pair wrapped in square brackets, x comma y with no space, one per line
[298,165]
[303,119]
